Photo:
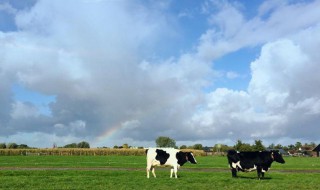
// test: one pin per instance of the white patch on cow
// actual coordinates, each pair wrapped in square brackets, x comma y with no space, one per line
[251,169]
[194,157]
[155,162]
[234,165]
[265,170]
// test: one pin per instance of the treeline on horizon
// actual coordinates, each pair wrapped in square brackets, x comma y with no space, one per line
[82,144]
[168,142]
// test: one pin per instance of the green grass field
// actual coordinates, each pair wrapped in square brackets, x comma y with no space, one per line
[128,172]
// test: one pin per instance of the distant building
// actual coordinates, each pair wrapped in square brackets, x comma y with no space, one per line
[208,150]
[317,150]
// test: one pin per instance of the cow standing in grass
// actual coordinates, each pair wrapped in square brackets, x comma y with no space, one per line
[167,157]
[250,161]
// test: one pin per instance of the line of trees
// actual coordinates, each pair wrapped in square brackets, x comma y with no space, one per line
[13,146]
[163,141]
[258,145]
[82,144]
[240,146]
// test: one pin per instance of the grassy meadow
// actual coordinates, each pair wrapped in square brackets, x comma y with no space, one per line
[128,172]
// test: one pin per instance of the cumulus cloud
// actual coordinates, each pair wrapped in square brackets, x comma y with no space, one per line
[230,31]
[91,63]
[6,7]
[94,58]
[23,110]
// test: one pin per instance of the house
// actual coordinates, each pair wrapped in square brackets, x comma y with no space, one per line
[317,150]
[208,150]
[281,151]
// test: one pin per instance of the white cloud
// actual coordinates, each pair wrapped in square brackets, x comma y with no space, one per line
[232,32]
[23,110]
[282,98]
[6,7]
[94,57]
[268,7]
[41,140]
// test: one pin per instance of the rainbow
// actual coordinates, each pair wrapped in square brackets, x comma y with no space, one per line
[109,132]
[129,122]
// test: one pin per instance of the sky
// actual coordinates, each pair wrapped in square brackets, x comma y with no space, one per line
[205,72]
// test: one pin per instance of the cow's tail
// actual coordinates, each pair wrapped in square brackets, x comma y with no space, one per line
[147,151]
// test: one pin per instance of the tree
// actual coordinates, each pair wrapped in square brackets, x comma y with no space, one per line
[83,144]
[3,146]
[183,147]
[271,146]
[125,145]
[298,145]
[72,145]
[313,144]
[23,146]
[197,147]
[12,146]
[238,145]
[221,148]
[242,146]
[278,146]
[165,142]
[246,147]
[258,146]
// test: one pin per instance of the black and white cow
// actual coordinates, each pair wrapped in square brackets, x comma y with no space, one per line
[250,161]
[167,157]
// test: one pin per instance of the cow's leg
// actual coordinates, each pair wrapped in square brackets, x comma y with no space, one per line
[234,172]
[262,175]
[259,172]
[148,170]
[171,172]
[175,170]
[153,171]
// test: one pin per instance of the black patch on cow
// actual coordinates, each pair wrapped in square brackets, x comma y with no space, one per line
[191,158]
[181,157]
[233,156]
[162,156]
[147,151]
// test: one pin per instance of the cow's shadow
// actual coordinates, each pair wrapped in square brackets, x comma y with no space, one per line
[251,178]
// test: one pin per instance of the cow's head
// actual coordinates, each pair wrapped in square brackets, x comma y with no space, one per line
[277,157]
[191,158]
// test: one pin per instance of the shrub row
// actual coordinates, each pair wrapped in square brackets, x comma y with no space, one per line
[81,152]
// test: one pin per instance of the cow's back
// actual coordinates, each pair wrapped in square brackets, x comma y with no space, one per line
[162,156]
[256,157]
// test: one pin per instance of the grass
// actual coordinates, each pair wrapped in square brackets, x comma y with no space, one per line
[128,172]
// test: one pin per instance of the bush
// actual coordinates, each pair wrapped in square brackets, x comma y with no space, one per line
[3,146]
[12,146]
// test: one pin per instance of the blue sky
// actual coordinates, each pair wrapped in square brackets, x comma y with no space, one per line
[115,72]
